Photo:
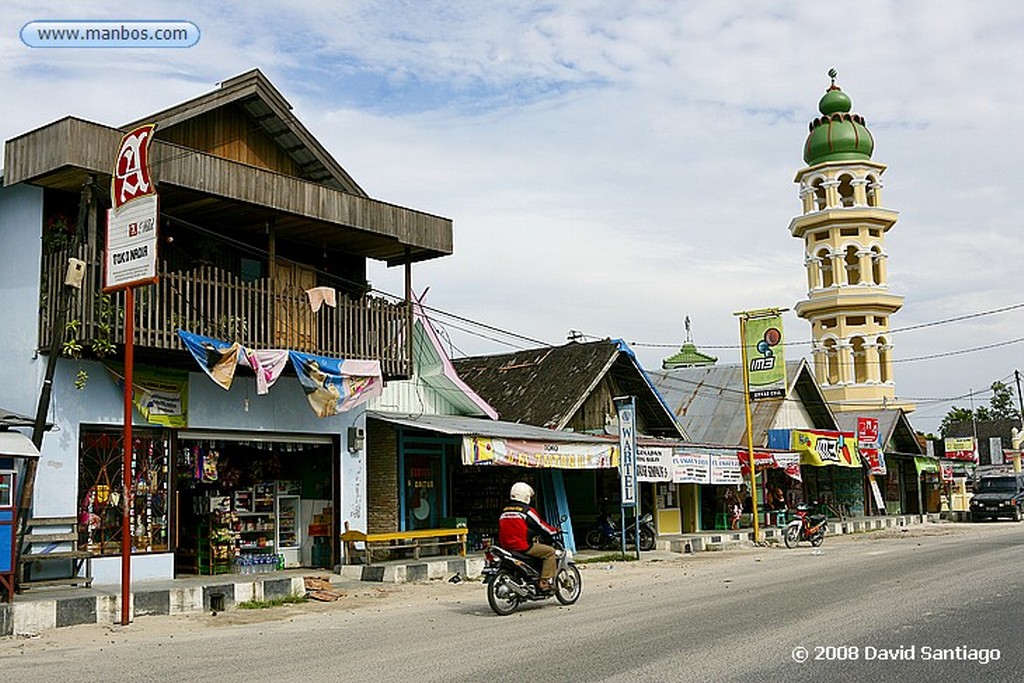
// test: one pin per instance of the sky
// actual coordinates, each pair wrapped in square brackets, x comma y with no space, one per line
[614,167]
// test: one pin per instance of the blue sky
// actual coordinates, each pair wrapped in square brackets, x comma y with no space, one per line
[613,167]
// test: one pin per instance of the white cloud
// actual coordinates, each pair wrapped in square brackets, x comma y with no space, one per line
[612,167]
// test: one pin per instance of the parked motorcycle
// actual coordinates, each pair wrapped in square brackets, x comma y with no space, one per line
[605,535]
[806,527]
[512,578]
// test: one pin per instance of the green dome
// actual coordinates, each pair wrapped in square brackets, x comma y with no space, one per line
[837,135]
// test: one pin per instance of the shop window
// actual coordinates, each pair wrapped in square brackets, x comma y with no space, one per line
[101,492]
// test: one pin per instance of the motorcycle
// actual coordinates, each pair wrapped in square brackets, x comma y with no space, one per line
[605,535]
[806,527]
[513,578]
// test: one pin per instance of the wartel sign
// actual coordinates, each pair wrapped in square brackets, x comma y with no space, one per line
[626,408]
[132,221]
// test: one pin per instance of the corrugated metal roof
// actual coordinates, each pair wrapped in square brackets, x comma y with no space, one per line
[708,402]
[473,426]
[894,430]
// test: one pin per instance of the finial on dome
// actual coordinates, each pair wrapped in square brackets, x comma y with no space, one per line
[832,73]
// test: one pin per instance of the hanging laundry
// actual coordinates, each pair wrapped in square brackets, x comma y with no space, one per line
[218,359]
[268,364]
[333,385]
[322,295]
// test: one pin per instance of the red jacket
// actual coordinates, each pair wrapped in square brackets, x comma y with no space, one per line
[518,524]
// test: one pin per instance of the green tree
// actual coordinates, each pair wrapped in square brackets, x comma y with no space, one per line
[1000,407]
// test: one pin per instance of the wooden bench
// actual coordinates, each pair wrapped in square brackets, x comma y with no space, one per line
[42,547]
[402,540]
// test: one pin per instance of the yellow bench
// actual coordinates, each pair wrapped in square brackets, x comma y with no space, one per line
[402,540]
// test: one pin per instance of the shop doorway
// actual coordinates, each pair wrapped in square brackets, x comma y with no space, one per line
[251,505]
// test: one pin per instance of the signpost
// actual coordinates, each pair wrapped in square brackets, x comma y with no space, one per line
[130,261]
[764,375]
[625,406]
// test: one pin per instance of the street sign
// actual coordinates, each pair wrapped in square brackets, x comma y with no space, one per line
[626,408]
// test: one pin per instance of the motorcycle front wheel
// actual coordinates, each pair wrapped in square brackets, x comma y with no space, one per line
[500,596]
[647,539]
[819,537]
[595,539]
[792,536]
[568,585]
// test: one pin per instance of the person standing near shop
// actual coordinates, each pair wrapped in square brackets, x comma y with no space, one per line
[518,527]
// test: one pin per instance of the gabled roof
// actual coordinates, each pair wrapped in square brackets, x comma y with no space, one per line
[258,97]
[708,402]
[894,430]
[547,386]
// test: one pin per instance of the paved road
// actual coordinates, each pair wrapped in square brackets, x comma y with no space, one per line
[737,615]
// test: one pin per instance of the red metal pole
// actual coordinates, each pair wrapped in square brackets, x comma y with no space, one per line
[126,540]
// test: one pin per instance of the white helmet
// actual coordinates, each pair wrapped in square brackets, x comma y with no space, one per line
[522,492]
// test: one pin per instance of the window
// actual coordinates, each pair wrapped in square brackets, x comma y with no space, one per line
[852,259]
[860,361]
[101,491]
[883,360]
[831,362]
[845,190]
[820,202]
[827,279]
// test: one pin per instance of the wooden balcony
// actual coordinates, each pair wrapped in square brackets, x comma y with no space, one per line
[208,300]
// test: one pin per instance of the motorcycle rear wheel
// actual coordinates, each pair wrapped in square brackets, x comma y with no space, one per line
[792,536]
[647,539]
[502,599]
[568,585]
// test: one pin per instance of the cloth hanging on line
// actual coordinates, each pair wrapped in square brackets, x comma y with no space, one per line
[217,358]
[267,364]
[322,295]
[333,385]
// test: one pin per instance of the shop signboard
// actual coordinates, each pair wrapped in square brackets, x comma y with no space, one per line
[653,463]
[960,448]
[691,468]
[946,470]
[725,469]
[483,450]
[132,220]
[819,448]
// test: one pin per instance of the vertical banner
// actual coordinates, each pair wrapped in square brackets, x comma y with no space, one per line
[626,409]
[766,364]
[868,444]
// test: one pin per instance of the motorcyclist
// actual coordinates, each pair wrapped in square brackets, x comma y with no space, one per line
[520,525]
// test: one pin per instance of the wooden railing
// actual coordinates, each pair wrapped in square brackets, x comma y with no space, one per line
[210,301]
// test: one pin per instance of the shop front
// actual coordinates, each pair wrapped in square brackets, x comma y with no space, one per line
[452,471]
[833,474]
[212,502]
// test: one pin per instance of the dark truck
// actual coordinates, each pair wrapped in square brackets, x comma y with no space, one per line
[998,495]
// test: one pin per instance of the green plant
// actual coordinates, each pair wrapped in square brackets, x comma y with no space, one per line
[293,599]
[611,557]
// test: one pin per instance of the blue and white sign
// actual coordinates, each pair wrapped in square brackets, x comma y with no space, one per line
[626,408]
